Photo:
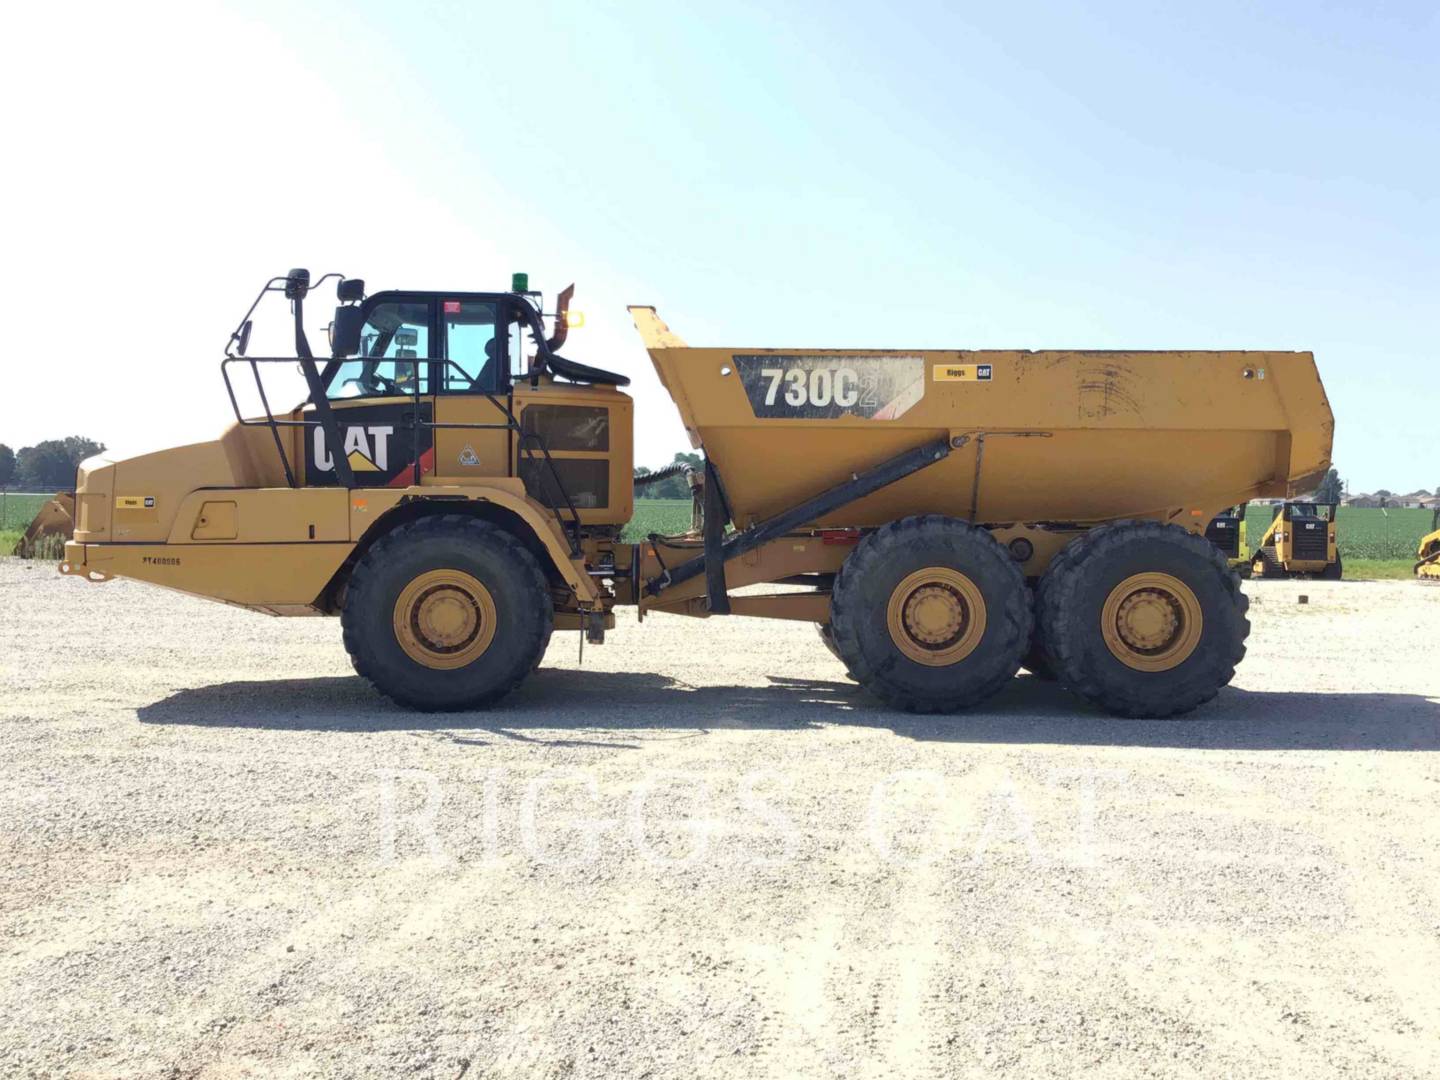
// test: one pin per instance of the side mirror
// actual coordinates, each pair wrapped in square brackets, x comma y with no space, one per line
[345,332]
[350,289]
[407,337]
[242,338]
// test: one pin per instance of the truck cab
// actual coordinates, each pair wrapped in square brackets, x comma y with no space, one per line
[427,399]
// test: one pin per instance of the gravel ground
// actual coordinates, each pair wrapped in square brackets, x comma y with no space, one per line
[704,852]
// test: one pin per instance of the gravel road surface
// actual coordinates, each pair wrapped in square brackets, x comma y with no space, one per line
[704,852]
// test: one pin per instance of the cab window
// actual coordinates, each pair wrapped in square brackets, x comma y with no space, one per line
[393,347]
[474,353]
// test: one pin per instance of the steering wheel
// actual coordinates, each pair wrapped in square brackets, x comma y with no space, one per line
[387,387]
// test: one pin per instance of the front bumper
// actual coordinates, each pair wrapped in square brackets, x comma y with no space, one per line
[74,563]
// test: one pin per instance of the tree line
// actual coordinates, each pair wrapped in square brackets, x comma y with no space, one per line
[48,465]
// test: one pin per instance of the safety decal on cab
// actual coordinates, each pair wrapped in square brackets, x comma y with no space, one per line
[829,387]
[976,373]
[379,441]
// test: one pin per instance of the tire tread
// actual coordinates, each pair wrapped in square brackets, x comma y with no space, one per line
[1057,603]
[1013,619]
[366,577]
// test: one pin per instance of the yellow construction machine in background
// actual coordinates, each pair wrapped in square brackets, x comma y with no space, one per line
[1228,533]
[1299,541]
[1429,550]
[49,529]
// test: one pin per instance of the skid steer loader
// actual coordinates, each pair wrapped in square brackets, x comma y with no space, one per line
[1428,553]
[1227,532]
[1299,542]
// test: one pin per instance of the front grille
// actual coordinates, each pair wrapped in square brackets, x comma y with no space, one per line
[1224,533]
[1311,540]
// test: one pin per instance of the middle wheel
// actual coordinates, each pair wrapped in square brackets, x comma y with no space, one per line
[930,614]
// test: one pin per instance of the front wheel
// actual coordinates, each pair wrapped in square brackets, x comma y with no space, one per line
[447,613]
[930,614]
[1143,619]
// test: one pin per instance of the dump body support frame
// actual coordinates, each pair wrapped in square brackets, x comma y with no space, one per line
[857,487]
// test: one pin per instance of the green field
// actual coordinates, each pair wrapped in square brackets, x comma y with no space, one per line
[1361,533]
[665,516]
[17,510]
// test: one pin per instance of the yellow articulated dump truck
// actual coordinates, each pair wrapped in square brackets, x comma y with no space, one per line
[453,488]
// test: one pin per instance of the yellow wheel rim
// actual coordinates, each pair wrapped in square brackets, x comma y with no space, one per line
[936,616]
[1152,622]
[444,619]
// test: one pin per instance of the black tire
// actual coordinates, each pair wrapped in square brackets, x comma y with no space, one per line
[1333,571]
[862,596]
[1036,664]
[1073,597]
[828,637]
[1267,562]
[1035,661]
[524,615]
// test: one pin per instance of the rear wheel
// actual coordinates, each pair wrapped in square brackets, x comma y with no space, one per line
[1333,571]
[930,614]
[447,613]
[1143,619]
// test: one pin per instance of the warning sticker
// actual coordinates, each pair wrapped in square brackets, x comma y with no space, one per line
[962,373]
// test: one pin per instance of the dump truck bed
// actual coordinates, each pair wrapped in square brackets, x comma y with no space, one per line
[1040,436]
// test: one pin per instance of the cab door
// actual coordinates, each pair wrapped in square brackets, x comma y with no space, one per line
[383,400]
[472,382]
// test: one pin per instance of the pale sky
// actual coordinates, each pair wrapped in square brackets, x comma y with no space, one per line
[915,175]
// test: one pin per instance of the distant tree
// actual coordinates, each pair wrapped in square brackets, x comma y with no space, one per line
[7,465]
[1330,488]
[50,465]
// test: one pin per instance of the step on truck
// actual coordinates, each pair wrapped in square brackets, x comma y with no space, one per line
[454,488]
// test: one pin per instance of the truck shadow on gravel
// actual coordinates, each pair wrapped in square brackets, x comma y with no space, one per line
[624,710]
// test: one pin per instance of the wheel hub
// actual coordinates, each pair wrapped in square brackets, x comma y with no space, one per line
[936,616]
[444,619]
[1148,620]
[1152,622]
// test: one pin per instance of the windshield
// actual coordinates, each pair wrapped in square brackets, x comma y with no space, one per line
[395,338]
